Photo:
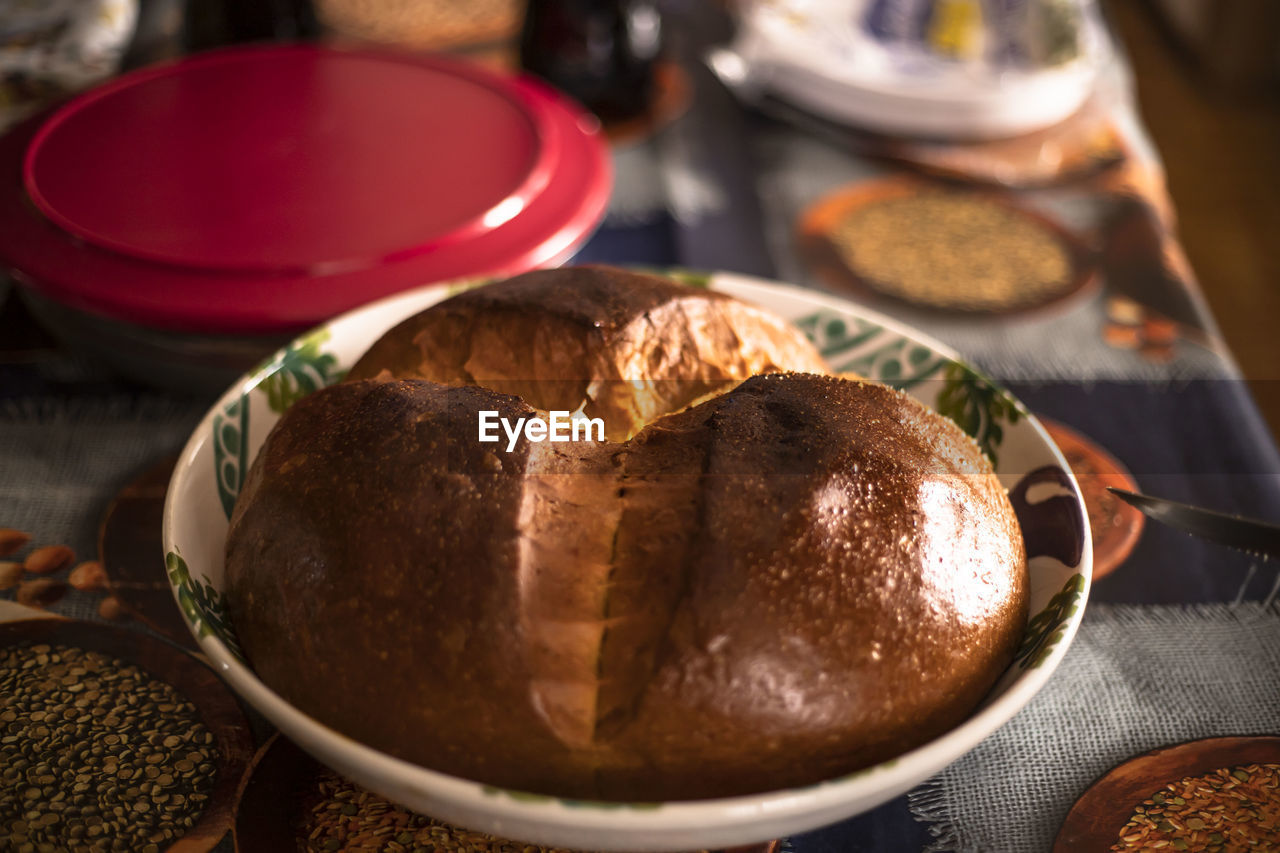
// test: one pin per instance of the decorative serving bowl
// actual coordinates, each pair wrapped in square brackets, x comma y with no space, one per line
[1045,495]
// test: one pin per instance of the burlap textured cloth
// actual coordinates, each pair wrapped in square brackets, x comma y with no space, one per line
[1136,678]
[61,463]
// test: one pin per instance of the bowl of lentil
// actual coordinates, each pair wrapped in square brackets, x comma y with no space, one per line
[112,740]
[1218,794]
[211,468]
[941,247]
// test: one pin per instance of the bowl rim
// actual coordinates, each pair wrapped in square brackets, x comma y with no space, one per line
[735,817]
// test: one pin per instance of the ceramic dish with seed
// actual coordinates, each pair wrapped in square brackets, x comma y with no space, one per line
[289,801]
[111,735]
[943,249]
[1115,526]
[129,549]
[1048,503]
[1217,794]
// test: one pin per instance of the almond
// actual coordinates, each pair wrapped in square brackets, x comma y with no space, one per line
[11,540]
[40,592]
[49,559]
[10,574]
[89,576]
[111,608]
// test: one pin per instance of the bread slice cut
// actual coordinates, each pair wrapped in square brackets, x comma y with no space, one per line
[609,343]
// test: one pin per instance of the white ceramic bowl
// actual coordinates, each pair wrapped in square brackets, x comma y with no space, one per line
[1049,504]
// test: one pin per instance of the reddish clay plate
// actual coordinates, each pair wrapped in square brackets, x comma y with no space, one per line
[817,241]
[215,705]
[132,554]
[1096,820]
[1115,526]
[281,787]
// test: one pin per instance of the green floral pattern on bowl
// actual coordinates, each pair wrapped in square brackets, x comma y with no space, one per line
[1048,628]
[202,604]
[298,370]
[979,406]
[230,456]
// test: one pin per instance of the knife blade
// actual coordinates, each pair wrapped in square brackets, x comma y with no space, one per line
[1260,538]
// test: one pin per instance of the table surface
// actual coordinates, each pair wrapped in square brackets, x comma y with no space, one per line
[723,187]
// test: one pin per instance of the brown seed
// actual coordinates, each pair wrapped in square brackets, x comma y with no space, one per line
[41,592]
[89,576]
[961,251]
[111,608]
[10,574]
[50,558]
[125,817]
[11,540]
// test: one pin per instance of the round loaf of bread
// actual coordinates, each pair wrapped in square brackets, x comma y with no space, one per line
[609,343]
[794,579]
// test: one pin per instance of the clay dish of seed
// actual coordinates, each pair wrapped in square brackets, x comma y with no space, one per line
[204,707]
[941,247]
[285,792]
[1181,791]
[1114,525]
[131,552]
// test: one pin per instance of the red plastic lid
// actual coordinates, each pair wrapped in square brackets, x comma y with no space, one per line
[270,188]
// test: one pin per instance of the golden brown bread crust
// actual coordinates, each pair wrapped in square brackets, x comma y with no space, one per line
[366,605]
[788,582]
[856,584]
[624,346]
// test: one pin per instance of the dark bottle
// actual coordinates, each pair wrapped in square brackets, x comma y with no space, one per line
[214,23]
[272,20]
[601,52]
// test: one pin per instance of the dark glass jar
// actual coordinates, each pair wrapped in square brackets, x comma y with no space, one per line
[601,52]
[215,23]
